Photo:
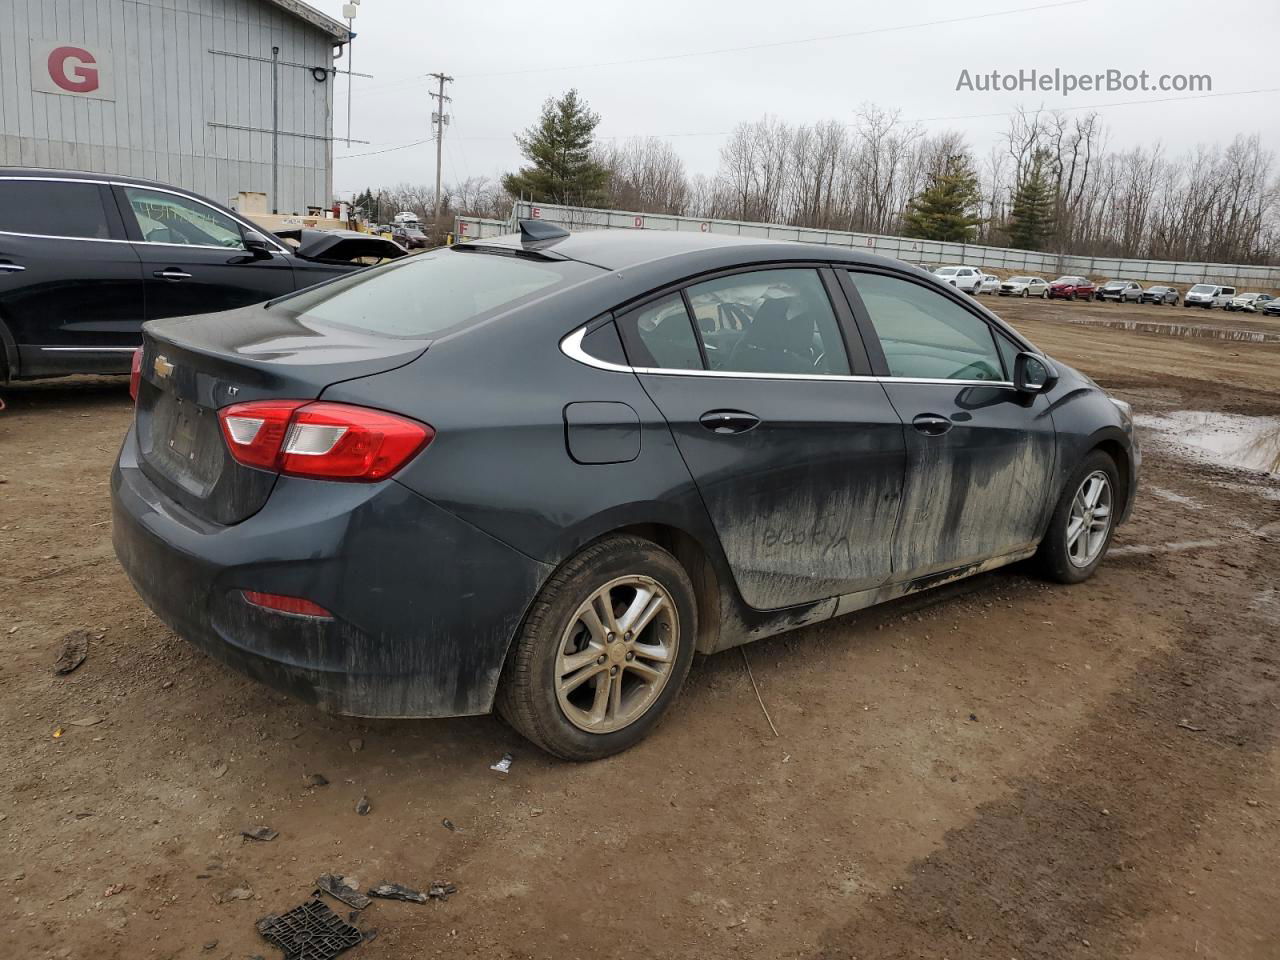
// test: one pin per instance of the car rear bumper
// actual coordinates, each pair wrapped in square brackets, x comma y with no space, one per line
[424,605]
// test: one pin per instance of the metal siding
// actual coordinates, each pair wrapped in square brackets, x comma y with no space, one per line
[168,88]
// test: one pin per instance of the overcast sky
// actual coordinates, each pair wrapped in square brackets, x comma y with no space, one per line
[509,56]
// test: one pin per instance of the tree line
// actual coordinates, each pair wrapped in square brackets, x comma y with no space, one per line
[1050,182]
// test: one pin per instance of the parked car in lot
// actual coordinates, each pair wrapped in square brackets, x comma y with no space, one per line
[962,278]
[1159,294]
[1072,288]
[989,284]
[1271,308]
[1024,287]
[1121,291]
[410,236]
[1208,296]
[535,472]
[85,259]
[1248,302]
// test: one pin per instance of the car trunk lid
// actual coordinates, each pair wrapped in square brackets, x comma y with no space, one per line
[191,367]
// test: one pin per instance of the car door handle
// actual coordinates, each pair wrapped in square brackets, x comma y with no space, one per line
[932,425]
[729,421]
[172,273]
[11,267]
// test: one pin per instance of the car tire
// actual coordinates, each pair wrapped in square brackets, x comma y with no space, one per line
[529,697]
[1025,293]
[1044,295]
[1063,558]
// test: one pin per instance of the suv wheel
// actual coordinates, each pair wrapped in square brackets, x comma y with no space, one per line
[1083,521]
[603,651]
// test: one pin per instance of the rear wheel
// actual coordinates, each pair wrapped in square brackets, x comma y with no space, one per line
[603,651]
[1083,522]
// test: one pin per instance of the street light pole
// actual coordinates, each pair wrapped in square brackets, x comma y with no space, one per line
[349,10]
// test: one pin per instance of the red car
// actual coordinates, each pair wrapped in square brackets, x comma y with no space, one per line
[1071,288]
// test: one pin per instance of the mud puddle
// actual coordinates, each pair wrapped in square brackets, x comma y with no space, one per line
[1181,330]
[1226,439]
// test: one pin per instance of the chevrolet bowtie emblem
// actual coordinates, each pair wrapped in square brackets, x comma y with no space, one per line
[162,367]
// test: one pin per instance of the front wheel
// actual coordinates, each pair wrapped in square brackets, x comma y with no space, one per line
[603,651]
[1025,293]
[1083,521]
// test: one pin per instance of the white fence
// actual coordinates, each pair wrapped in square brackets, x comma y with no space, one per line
[478,228]
[925,252]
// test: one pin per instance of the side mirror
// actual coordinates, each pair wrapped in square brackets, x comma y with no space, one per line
[1032,373]
[257,244]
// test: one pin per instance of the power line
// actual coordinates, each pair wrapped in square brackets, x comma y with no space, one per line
[662,58]
[967,116]
[374,153]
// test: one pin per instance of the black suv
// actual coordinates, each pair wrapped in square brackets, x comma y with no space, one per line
[86,258]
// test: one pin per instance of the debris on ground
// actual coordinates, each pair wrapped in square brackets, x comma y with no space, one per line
[75,647]
[211,945]
[316,780]
[363,807]
[1186,725]
[503,766]
[338,887]
[58,732]
[260,833]
[114,889]
[356,744]
[220,771]
[235,893]
[309,932]
[439,890]
[447,824]
[85,722]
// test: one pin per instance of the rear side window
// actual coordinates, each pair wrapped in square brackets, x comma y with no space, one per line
[769,321]
[659,335]
[427,294]
[53,208]
[925,335]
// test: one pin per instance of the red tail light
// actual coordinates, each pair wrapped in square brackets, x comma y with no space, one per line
[294,606]
[331,441]
[135,374]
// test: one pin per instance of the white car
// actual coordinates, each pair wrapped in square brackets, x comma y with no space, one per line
[1250,302]
[1025,287]
[967,279]
[989,285]
[1208,296]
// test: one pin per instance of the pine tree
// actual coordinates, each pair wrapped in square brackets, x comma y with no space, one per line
[1031,220]
[559,148]
[942,210]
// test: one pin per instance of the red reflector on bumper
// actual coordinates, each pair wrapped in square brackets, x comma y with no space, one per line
[293,606]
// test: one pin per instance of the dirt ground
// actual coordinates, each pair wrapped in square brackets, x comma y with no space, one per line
[1006,769]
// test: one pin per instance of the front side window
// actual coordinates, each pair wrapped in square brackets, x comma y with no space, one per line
[169,218]
[925,335]
[769,321]
[53,208]
[659,335]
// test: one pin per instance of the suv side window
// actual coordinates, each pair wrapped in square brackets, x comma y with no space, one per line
[54,208]
[925,335]
[169,218]
[769,321]
[659,335]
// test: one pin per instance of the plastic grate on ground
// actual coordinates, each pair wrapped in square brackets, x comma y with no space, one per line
[309,932]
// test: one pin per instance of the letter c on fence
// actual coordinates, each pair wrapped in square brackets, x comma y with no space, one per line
[82,77]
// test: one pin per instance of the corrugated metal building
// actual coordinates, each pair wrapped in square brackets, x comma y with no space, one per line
[173,90]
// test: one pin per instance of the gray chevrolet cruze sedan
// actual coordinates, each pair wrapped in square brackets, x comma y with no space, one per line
[539,473]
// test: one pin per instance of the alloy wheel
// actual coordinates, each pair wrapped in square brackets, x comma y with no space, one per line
[617,654]
[1089,521]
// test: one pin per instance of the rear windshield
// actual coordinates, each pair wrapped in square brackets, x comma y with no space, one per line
[427,294]
[1020,279]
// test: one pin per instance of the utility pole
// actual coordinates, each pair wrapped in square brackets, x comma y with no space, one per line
[441,120]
